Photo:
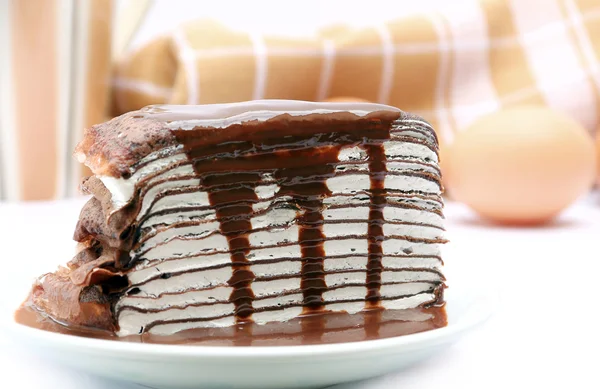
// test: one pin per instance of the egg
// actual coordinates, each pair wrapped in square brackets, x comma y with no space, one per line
[521,165]
[346,99]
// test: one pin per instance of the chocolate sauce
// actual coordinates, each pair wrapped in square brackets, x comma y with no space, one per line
[230,172]
[324,328]
[235,224]
[308,200]
[377,170]
[311,239]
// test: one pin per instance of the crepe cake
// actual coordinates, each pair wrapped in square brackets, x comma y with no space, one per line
[261,211]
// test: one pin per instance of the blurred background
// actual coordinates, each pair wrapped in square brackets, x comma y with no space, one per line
[512,87]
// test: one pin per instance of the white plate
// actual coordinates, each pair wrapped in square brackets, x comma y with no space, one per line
[167,366]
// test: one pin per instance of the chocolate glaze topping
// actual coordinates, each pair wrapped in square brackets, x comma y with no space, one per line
[302,173]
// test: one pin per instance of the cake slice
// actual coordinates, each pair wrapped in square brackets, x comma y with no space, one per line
[262,211]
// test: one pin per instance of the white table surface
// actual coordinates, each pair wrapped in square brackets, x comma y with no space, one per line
[545,332]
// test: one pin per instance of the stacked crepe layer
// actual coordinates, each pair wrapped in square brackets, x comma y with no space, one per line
[178,264]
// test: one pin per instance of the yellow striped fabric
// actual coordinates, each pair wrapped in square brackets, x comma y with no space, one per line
[450,66]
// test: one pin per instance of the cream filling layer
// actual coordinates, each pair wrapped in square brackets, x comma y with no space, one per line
[276,236]
[343,184]
[285,314]
[122,190]
[145,271]
[263,296]
[212,278]
[133,322]
[215,243]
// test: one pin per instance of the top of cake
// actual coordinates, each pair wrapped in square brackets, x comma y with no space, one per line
[112,148]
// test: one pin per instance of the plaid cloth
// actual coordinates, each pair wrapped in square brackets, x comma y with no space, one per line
[450,66]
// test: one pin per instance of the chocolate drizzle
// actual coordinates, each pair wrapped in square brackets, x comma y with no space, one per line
[308,199]
[234,222]
[377,170]
[311,239]
[301,173]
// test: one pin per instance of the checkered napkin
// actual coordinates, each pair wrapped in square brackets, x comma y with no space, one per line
[450,66]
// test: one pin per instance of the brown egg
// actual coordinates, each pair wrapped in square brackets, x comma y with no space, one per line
[522,165]
[346,99]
